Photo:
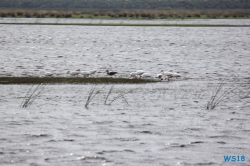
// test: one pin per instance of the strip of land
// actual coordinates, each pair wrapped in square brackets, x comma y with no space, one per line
[72,80]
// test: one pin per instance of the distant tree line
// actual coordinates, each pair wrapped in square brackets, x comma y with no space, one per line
[127,4]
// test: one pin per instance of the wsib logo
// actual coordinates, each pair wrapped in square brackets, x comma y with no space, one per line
[234,158]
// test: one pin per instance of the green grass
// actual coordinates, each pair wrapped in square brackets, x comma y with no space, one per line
[71,80]
[134,14]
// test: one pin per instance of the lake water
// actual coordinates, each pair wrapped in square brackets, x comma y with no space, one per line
[164,123]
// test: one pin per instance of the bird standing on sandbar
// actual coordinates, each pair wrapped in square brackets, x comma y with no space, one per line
[111,73]
[74,73]
[48,74]
[137,73]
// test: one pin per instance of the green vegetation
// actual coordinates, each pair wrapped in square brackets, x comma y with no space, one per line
[128,4]
[71,80]
[126,14]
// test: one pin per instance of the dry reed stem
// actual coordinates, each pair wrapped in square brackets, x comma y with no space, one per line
[31,95]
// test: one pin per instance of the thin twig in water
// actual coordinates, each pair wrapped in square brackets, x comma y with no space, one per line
[92,94]
[109,93]
[145,93]
[110,90]
[118,96]
[122,95]
[31,95]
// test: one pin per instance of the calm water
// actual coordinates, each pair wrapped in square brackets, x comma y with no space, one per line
[154,124]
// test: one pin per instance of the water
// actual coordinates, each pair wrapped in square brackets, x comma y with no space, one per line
[164,123]
[128,21]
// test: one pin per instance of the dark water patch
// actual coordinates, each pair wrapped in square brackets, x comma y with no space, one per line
[41,135]
[195,129]
[146,132]
[95,158]
[69,140]
[148,124]
[103,122]
[210,163]
[197,142]
[198,164]
[52,140]
[221,142]
[127,139]
[108,151]
[15,123]
[3,139]
[236,119]
[225,136]
[128,150]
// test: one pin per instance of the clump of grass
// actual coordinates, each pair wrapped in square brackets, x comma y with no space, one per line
[31,95]
[92,93]
[220,95]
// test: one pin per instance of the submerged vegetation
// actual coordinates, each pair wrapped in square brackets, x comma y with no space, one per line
[126,13]
[71,80]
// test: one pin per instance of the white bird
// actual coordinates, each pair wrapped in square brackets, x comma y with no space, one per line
[159,76]
[166,74]
[174,74]
[48,74]
[85,73]
[137,73]
[140,72]
[74,73]
[92,72]
[146,75]
[133,74]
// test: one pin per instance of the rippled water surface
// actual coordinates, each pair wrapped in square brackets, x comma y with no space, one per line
[164,123]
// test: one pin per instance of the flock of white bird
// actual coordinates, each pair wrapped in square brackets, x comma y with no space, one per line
[163,75]
[139,74]
[83,73]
